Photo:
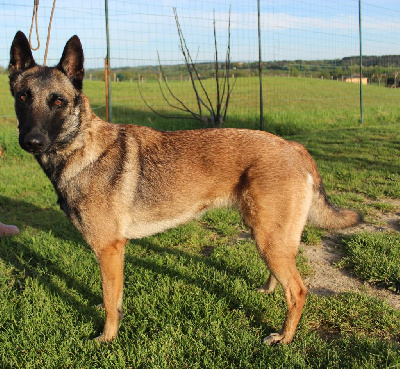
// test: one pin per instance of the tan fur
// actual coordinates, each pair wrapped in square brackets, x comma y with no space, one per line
[117,182]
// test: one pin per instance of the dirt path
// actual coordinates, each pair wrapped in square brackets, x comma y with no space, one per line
[328,279]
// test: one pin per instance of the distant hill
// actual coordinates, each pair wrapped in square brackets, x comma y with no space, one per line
[335,68]
[373,61]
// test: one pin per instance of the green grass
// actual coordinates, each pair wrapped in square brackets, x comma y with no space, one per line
[357,162]
[363,251]
[291,105]
[190,298]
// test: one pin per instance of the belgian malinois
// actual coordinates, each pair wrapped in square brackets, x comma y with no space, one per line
[118,182]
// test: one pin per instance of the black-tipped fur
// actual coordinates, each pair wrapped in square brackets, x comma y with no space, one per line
[20,58]
[71,62]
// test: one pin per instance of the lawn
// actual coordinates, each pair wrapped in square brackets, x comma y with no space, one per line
[190,299]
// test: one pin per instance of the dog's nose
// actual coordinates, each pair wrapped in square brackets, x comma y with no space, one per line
[34,142]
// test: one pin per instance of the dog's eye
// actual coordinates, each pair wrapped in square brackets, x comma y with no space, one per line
[23,97]
[58,102]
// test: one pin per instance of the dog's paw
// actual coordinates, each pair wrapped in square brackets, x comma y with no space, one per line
[265,290]
[102,339]
[273,339]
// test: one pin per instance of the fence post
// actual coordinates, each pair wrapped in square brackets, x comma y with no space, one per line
[106,80]
[260,69]
[361,68]
[107,75]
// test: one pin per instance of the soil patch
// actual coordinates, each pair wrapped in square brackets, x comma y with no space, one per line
[327,279]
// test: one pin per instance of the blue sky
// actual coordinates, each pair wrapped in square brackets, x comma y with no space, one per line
[291,29]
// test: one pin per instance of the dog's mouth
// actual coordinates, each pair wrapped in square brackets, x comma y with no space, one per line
[32,151]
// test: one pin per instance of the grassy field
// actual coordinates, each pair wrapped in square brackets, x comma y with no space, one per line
[190,299]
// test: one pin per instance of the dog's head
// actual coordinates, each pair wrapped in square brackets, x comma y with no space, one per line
[47,100]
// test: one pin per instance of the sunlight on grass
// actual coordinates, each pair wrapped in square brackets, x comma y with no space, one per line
[190,298]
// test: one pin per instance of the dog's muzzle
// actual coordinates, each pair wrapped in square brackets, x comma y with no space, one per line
[34,143]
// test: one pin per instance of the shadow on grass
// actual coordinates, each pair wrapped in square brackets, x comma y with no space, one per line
[357,163]
[325,145]
[354,148]
[253,307]
[18,253]
[171,121]
[28,262]
[25,214]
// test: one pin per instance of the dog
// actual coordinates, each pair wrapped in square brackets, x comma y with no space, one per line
[120,182]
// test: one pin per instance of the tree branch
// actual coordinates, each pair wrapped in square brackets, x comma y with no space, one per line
[223,91]
[228,68]
[216,69]
[159,114]
[184,107]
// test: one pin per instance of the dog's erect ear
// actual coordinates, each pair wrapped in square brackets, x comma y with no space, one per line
[20,54]
[71,62]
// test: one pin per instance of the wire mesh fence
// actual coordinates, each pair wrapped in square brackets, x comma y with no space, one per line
[310,49]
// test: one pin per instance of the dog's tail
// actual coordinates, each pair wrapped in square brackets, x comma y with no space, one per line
[325,215]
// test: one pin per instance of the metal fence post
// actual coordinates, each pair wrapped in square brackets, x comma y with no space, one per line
[107,74]
[361,68]
[260,69]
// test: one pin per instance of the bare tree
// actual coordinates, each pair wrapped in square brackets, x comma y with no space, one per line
[207,112]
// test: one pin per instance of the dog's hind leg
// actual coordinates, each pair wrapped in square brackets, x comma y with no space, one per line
[279,253]
[295,294]
[111,262]
[277,220]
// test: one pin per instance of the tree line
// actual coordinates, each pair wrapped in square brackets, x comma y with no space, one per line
[328,69]
[335,68]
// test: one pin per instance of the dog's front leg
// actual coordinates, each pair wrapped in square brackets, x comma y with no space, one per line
[111,262]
